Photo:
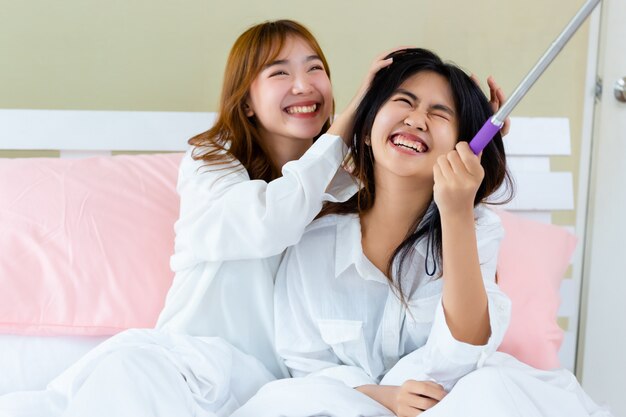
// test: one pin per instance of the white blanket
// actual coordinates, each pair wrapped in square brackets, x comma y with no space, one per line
[152,373]
[147,373]
[503,387]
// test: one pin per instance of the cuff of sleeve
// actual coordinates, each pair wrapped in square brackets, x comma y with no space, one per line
[441,340]
[349,375]
[341,188]
[465,353]
[499,316]
[333,149]
[329,146]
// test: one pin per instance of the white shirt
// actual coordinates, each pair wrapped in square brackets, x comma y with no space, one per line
[229,241]
[337,316]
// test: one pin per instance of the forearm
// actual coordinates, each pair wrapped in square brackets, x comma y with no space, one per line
[383,394]
[343,123]
[464,297]
[225,216]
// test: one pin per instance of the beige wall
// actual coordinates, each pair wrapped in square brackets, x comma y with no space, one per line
[170,55]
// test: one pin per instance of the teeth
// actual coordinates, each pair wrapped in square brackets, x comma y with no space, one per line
[302,109]
[399,140]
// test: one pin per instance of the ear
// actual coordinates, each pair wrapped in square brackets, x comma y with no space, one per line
[368,141]
[248,109]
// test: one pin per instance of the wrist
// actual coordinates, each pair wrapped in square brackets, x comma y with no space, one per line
[339,128]
[459,213]
[387,395]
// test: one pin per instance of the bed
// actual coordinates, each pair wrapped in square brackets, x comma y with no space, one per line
[86,234]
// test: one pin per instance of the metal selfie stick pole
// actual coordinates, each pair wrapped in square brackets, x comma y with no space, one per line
[493,125]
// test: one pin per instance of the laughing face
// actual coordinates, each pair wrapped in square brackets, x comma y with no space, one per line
[416,125]
[291,98]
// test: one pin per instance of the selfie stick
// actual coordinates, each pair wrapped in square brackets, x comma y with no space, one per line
[493,125]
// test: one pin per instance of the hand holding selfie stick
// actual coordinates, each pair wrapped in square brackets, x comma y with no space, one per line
[493,125]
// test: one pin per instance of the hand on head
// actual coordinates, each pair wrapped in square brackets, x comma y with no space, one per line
[342,126]
[496,99]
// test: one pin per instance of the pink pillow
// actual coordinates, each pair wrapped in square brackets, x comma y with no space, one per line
[85,243]
[533,259]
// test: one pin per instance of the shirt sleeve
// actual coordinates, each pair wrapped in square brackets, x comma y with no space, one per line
[226,216]
[298,339]
[444,359]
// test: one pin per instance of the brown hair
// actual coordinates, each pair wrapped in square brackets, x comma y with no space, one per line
[234,136]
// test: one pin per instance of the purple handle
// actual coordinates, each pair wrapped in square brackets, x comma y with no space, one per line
[484,136]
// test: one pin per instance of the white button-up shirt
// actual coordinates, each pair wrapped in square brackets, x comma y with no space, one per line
[336,314]
[230,237]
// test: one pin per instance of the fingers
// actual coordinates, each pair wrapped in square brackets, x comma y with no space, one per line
[428,389]
[460,161]
[456,163]
[447,173]
[496,95]
[504,130]
[469,161]
[381,61]
[418,396]
[497,98]
[415,406]
[394,49]
[379,64]
[495,89]
[475,79]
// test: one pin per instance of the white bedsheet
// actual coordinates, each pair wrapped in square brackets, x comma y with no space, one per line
[147,373]
[31,362]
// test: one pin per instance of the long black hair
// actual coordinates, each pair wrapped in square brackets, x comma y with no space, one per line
[472,108]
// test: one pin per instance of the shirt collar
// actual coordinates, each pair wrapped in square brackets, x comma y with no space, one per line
[349,251]
[348,242]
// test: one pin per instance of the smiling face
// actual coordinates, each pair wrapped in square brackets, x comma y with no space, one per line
[415,126]
[291,98]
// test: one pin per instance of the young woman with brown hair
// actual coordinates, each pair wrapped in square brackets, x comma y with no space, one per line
[252,183]
[249,187]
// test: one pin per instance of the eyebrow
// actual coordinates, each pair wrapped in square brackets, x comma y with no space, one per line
[286,61]
[441,107]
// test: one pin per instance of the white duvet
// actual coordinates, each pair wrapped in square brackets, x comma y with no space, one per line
[153,373]
[147,373]
[503,387]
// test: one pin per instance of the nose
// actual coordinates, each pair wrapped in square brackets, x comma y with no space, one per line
[302,84]
[416,119]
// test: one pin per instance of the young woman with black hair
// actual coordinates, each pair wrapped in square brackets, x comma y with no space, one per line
[388,305]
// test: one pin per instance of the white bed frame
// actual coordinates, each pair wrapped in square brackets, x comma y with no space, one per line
[529,145]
